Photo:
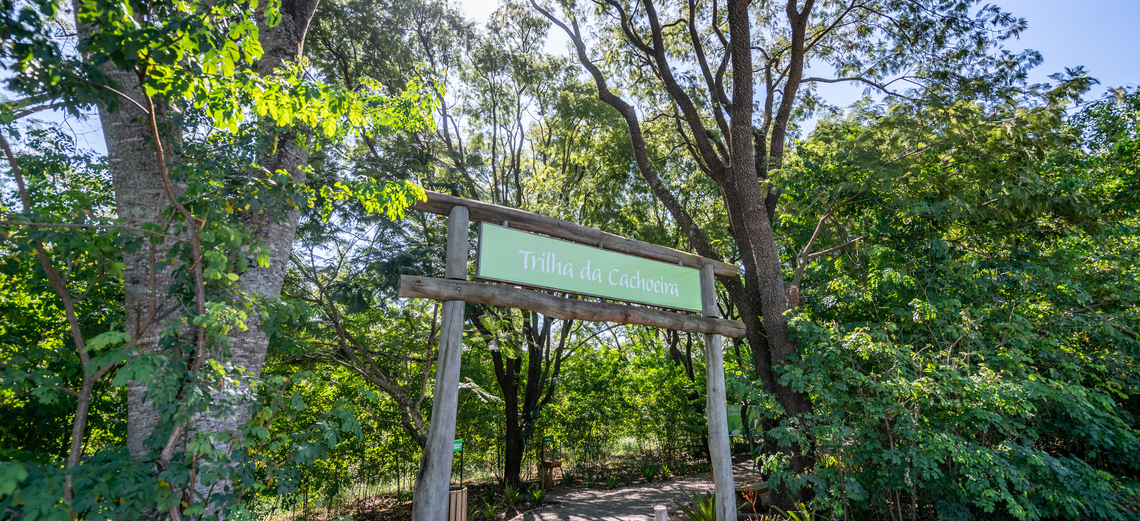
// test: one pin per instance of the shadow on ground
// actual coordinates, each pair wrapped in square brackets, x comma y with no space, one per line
[626,504]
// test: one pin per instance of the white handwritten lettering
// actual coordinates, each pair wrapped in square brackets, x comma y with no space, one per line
[549,264]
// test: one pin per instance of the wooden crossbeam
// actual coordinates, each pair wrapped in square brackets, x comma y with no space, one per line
[442,204]
[562,308]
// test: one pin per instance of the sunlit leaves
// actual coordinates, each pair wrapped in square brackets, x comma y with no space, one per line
[390,199]
[973,348]
[199,58]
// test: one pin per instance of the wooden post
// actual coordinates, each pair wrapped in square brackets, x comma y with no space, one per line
[716,408]
[430,496]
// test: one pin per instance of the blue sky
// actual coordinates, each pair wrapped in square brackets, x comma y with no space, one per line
[1102,35]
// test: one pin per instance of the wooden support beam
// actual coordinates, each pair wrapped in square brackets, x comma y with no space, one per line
[562,308]
[716,408]
[441,204]
[430,496]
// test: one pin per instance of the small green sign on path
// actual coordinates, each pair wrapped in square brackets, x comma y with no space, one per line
[548,439]
[533,260]
[735,422]
[458,446]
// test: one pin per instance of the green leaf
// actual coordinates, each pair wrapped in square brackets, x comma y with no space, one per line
[11,475]
[105,340]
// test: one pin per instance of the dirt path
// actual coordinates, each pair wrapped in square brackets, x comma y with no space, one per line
[625,504]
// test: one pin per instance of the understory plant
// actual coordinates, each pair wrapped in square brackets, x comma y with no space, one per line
[699,506]
[487,511]
[649,472]
[511,496]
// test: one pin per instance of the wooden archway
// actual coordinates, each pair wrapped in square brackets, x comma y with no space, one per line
[429,500]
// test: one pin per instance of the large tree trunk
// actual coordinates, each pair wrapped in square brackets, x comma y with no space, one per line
[141,198]
[283,44]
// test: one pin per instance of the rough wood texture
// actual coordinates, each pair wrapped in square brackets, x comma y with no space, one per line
[716,407]
[485,212]
[708,295]
[458,249]
[562,308]
[430,496]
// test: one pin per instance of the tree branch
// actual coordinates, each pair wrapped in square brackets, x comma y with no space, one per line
[879,86]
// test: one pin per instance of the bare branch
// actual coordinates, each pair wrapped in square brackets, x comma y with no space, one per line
[837,248]
[872,83]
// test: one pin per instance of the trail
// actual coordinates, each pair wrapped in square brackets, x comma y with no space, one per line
[629,503]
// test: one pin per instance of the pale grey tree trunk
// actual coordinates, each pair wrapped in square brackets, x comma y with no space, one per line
[283,44]
[274,227]
[140,198]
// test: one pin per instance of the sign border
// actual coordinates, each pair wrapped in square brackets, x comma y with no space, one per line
[479,257]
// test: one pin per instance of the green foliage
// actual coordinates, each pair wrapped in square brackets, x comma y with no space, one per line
[538,495]
[39,356]
[978,347]
[487,511]
[103,489]
[649,472]
[699,506]
[511,495]
[802,514]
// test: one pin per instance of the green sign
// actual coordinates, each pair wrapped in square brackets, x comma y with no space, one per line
[548,439]
[542,262]
[735,424]
[458,446]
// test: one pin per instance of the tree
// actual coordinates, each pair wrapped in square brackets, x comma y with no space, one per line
[510,344]
[691,51]
[144,190]
[196,236]
[353,324]
[975,330]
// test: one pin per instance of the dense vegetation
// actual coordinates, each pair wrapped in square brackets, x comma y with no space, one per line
[940,283]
